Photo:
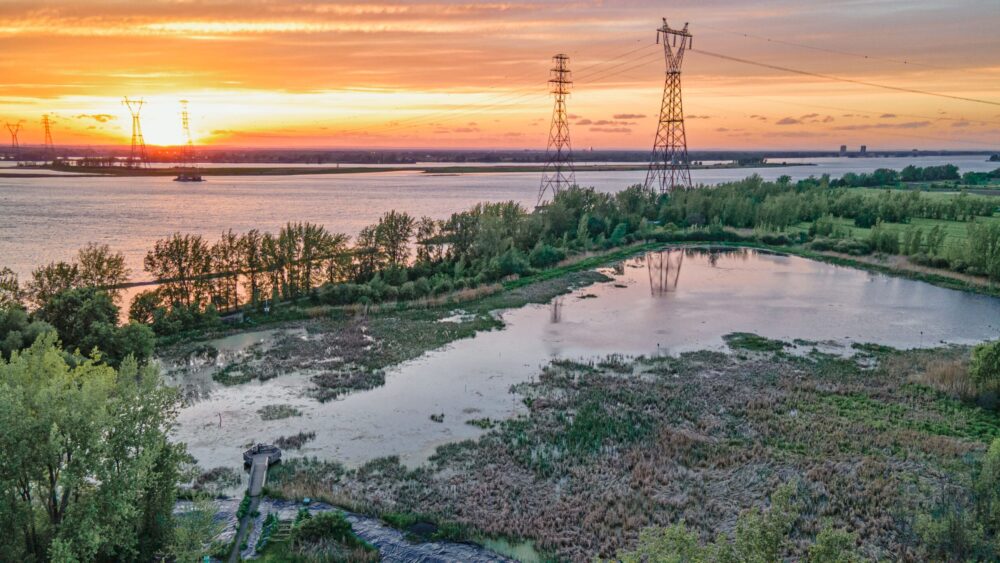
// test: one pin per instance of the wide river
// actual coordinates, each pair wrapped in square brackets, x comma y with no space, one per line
[663,303]
[48,219]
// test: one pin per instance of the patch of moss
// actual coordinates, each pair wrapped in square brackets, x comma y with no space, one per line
[753,342]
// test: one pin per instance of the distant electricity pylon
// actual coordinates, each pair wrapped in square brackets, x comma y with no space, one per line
[137,155]
[669,167]
[188,153]
[14,129]
[558,171]
[48,145]
[15,146]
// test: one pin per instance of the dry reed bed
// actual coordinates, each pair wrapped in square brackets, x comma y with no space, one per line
[613,447]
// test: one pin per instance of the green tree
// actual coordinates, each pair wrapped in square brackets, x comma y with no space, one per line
[368,255]
[393,233]
[226,265]
[427,231]
[10,288]
[88,473]
[17,330]
[194,530]
[101,268]
[47,281]
[181,263]
[87,319]
[983,250]
[96,266]
[144,306]
[252,261]
[81,316]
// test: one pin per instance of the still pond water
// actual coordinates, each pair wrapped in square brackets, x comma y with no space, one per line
[662,303]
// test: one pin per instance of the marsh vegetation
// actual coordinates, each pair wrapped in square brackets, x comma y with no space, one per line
[863,448]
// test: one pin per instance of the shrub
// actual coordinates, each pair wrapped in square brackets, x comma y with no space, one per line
[834,546]
[544,255]
[951,377]
[442,286]
[985,365]
[750,341]
[760,536]
[322,527]
[775,239]
[422,287]
[883,240]
[966,527]
[407,291]
[512,262]
[618,235]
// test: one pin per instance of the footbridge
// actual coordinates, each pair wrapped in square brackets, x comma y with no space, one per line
[259,458]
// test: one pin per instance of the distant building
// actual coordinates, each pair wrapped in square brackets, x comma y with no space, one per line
[843,150]
[864,150]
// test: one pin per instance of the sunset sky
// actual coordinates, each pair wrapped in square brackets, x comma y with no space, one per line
[274,73]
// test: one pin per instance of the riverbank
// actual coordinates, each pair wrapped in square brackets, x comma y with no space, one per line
[348,169]
[892,265]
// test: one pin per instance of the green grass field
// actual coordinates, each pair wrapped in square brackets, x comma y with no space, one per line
[956,232]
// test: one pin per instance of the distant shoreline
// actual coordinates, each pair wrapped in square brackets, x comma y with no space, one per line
[77,172]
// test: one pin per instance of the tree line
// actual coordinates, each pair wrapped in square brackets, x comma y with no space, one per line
[401,257]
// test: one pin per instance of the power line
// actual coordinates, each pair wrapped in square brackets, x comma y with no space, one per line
[511,97]
[834,132]
[824,49]
[842,79]
[643,61]
[869,113]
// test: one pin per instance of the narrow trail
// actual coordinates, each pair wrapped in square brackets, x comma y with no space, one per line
[258,476]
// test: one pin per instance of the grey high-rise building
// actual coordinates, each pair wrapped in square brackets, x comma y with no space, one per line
[864,150]
[843,150]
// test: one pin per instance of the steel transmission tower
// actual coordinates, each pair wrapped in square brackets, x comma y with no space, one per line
[188,153]
[49,147]
[669,167]
[137,155]
[15,146]
[558,172]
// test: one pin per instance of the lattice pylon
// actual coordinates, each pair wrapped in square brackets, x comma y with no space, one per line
[15,145]
[669,166]
[49,146]
[188,152]
[558,173]
[137,154]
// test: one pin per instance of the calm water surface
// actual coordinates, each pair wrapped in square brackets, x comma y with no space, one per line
[48,219]
[663,303]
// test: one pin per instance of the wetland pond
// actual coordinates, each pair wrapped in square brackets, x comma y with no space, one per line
[661,303]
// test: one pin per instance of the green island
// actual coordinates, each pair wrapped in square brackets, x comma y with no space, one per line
[765,450]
